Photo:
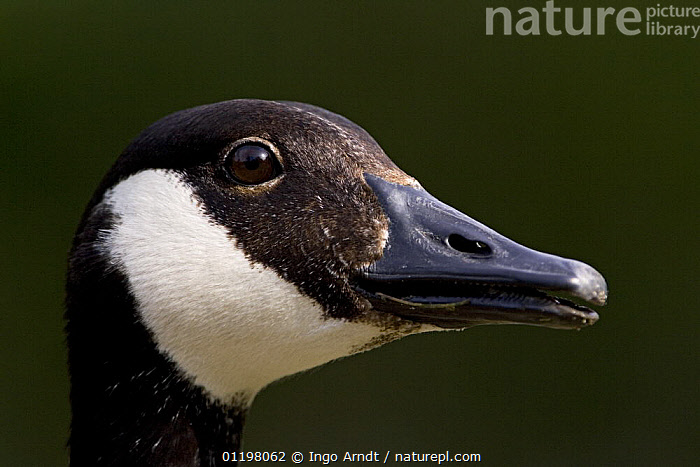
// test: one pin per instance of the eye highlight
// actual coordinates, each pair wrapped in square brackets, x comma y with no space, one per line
[252,163]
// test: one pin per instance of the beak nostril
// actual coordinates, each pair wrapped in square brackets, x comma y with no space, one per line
[464,245]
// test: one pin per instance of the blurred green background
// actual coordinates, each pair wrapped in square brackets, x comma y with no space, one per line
[585,147]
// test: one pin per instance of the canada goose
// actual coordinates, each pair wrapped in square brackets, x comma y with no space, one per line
[235,243]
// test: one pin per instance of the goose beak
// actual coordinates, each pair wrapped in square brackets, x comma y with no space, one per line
[443,268]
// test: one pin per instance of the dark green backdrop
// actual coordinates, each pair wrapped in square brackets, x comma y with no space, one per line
[581,146]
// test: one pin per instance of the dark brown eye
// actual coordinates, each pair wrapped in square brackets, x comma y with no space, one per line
[252,164]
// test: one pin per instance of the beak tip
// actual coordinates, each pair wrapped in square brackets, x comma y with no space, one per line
[590,284]
[600,297]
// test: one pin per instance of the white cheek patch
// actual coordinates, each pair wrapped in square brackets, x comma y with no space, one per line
[232,325]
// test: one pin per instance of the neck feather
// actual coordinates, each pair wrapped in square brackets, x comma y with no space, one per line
[131,406]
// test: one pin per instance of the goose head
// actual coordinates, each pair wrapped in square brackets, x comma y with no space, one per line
[236,243]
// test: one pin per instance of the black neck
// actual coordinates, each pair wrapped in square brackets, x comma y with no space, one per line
[130,404]
[150,421]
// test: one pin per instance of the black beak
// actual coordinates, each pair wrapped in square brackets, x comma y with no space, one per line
[443,268]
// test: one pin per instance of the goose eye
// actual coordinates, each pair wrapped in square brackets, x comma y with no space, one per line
[252,164]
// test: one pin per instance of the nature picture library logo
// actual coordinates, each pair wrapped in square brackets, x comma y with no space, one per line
[659,20]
